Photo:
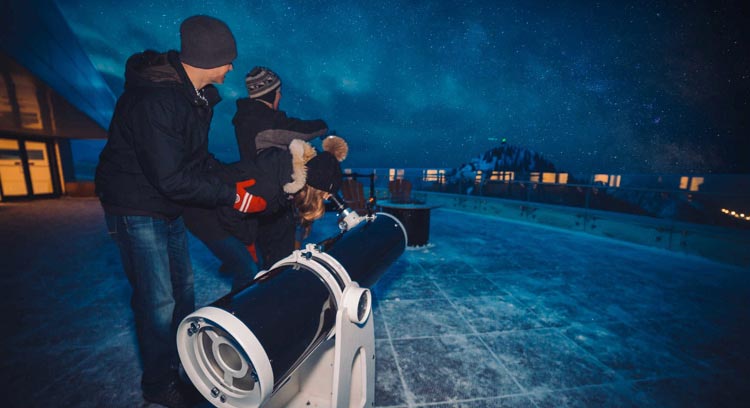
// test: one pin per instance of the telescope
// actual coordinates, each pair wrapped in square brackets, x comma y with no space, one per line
[301,333]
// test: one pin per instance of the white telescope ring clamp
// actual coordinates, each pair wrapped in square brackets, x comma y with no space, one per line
[214,325]
[309,258]
[331,262]
[325,267]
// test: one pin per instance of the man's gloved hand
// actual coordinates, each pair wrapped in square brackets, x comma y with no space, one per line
[246,202]
[251,250]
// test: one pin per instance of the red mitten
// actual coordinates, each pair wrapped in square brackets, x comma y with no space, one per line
[251,249]
[246,202]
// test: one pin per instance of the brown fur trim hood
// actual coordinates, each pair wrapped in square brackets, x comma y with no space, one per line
[301,152]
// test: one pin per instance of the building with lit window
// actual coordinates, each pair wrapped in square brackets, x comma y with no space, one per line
[44,105]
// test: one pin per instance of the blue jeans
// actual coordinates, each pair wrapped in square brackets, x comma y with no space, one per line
[156,261]
[235,259]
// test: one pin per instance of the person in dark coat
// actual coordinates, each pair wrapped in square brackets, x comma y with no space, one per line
[156,162]
[294,182]
[258,122]
[259,125]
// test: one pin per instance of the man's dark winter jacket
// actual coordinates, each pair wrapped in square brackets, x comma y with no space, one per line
[257,127]
[156,160]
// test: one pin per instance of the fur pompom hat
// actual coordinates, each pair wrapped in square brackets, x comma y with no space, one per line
[321,171]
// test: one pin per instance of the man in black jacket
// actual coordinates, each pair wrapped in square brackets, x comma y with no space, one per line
[155,162]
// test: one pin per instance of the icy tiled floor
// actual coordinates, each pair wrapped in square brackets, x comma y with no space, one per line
[490,314]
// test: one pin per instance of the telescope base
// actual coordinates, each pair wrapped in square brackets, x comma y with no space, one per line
[339,374]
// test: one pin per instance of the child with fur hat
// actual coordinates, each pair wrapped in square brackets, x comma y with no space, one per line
[295,182]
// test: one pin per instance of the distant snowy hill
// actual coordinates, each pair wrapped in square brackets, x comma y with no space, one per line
[504,158]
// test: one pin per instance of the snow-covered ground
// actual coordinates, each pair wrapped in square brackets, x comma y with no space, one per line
[490,314]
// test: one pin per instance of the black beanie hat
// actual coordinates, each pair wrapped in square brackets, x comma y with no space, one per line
[324,173]
[324,170]
[206,42]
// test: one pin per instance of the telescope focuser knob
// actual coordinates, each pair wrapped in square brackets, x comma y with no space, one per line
[358,303]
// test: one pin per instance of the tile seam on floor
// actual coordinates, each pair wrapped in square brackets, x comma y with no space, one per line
[479,337]
[507,396]
[552,329]
[407,392]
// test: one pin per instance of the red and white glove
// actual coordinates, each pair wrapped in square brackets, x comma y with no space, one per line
[246,202]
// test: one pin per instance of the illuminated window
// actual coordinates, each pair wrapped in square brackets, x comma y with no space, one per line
[612,180]
[684,182]
[534,176]
[394,174]
[691,183]
[601,178]
[695,183]
[478,179]
[11,171]
[433,175]
[562,178]
[548,177]
[502,175]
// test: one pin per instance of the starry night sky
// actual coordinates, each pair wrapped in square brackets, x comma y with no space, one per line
[628,87]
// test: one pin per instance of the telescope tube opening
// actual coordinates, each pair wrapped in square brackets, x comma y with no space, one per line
[224,360]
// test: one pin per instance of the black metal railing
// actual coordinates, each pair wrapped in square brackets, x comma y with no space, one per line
[721,200]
